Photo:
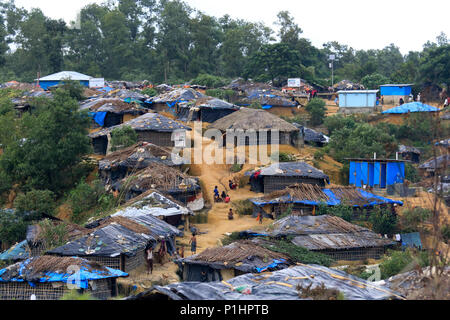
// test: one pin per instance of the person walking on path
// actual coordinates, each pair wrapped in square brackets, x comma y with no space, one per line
[230,214]
[193,243]
[149,258]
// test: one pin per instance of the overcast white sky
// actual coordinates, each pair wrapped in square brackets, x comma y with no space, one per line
[362,24]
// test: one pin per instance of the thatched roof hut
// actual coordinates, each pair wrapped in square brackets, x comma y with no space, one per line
[257,121]
[162,178]
[150,127]
[119,164]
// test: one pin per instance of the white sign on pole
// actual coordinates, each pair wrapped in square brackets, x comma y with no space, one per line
[294,83]
[96,83]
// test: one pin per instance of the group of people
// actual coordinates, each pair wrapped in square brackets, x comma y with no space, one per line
[224,197]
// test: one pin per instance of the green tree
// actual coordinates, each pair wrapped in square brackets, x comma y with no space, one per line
[374,81]
[12,228]
[316,108]
[51,142]
[36,201]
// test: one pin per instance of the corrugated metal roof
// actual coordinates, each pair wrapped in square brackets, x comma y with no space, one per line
[294,169]
[64,75]
[358,91]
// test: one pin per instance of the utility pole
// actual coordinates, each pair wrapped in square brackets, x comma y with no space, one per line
[332,58]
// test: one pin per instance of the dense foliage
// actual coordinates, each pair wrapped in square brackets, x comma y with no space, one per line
[36,201]
[316,108]
[42,148]
[169,41]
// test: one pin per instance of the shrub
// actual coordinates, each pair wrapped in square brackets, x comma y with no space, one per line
[236,167]
[12,228]
[410,220]
[209,81]
[123,137]
[36,201]
[445,231]
[319,154]
[282,157]
[255,105]
[221,94]
[342,211]
[74,88]
[242,207]
[151,92]
[316,108]
[383,221]
[53,235]
[299,254]
[402,261]
[82,198]
[411,173]
[75,295]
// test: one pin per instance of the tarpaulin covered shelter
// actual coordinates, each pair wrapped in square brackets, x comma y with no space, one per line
[379,173]
[304,198]
[110,112]
[331,235]
[57,78]
[117,165]
[150,127]
[278,176]
[411,240]
[207,109]
[277,285]
[257,124]
[19,251]
[411,107]
[223,263]
[48,277]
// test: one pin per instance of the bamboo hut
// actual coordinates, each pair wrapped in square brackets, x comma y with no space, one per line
[333,236]
[278,176]
[257,126]
[223,263]
[303,200]
[119,164]
[150,127]
[165,179]
[169,101]
[48,278]
[111,112]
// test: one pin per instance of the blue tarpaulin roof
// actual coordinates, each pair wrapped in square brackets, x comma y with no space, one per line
[411,107]
[16,252]
[333,199]
[80,278]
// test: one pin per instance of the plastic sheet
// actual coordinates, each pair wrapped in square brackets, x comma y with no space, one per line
[280,285]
